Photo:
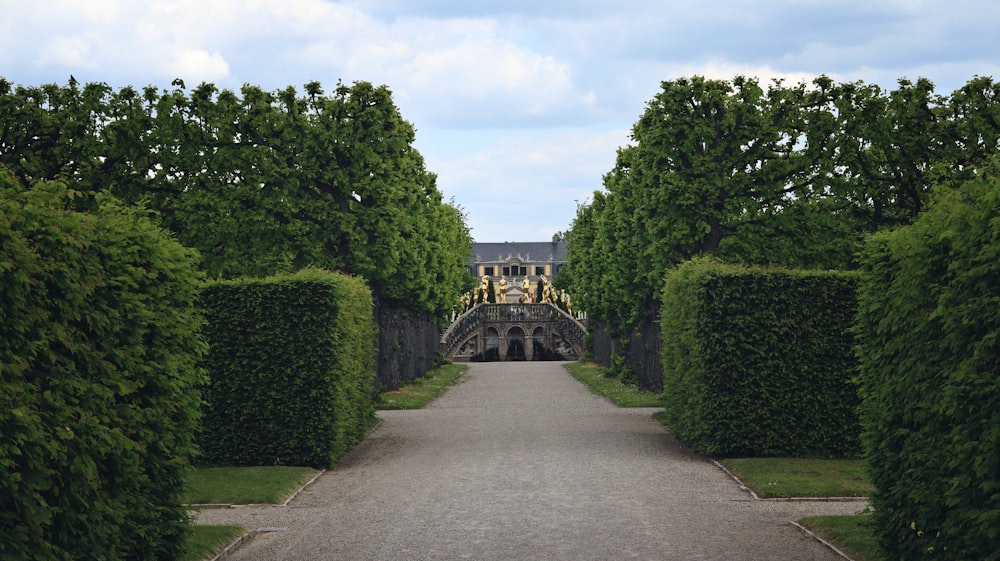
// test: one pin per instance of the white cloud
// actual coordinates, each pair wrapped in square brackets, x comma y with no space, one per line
[74,51]
[497,87]
[726,70]
[495,80]
[195,65]
[455,71]
[526,186]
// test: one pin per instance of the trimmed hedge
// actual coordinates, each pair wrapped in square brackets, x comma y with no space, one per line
[759,362]
[407,346]
[99,379]
[929,326]
[290,367]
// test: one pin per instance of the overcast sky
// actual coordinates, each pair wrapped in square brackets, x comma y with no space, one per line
[519,105]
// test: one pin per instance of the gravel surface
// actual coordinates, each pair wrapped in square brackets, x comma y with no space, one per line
[520,462]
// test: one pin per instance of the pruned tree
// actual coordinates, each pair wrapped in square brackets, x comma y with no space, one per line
[259,182]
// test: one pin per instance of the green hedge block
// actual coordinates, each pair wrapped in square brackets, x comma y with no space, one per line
[99,379]
[760,362]
[929,334]
[290,367]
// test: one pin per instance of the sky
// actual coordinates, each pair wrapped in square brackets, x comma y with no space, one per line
[519,106]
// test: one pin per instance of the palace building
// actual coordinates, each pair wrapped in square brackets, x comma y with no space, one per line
[516,260]
[527,319]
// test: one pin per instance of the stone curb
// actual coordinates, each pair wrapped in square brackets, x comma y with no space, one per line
[234,545]
[801,528]
[829,545]
[303,487]
[205,506]
[243,539]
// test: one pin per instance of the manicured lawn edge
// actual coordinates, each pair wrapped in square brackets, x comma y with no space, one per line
[799,478]
[821,540]
[423,390]
[850,535]
[224,486]
[622,395]
[211,542]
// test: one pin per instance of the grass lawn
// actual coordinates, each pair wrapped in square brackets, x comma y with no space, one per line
[205,541]
[423,390]
[244,485]
[851,534]
[799,477]
[623,395]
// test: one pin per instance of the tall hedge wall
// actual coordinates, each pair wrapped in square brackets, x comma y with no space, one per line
[638,362]
[290,367]
[407,345]
[99,381]
[929,326]
[759,362]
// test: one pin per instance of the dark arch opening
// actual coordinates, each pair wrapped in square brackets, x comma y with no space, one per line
[515,344]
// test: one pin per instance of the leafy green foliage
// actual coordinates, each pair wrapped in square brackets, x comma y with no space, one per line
[759,362]
[290,367]
[99,387]
[929,345]
[784,175]
[259,182]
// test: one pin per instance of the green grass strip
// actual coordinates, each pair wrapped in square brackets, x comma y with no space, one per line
[851,534]
[801,477]
[204,542]
[623,395]
[423,390]
[244,485]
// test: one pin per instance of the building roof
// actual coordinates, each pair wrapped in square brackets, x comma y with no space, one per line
[532,252]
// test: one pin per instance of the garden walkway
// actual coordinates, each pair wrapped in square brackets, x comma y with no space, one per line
[521,462]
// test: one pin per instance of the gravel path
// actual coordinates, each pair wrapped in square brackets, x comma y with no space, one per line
[521,462]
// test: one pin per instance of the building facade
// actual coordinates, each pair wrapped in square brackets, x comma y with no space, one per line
[517,260]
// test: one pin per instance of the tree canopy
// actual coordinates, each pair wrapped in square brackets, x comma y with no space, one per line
[789,175]
[259,182]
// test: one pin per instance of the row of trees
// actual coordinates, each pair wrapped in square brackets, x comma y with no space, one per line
[903,186]
[778,174]
[258,182]
[103,194]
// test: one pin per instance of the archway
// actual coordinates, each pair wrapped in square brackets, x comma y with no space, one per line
[486,332]
[491,346]
[515,344]
[538,344]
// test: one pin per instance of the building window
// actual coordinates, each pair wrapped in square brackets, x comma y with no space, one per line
[539,270]
[506,271]
[488,271]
